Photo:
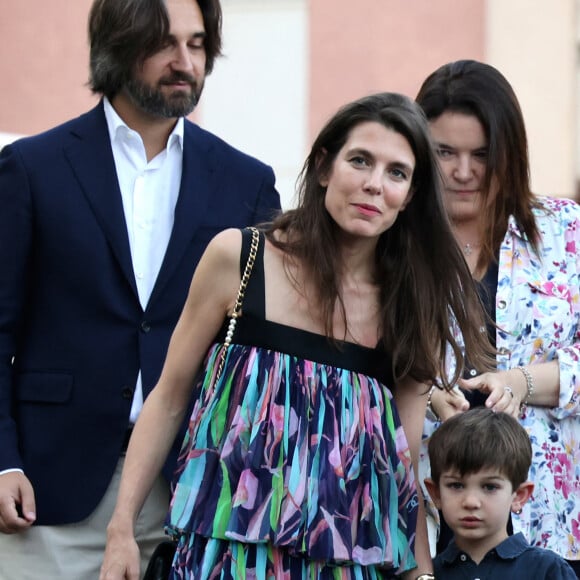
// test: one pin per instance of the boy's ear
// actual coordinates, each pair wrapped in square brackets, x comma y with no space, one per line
[521,496]
[433,490]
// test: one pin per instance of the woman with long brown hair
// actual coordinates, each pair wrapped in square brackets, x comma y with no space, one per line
[298,461]
[524,253]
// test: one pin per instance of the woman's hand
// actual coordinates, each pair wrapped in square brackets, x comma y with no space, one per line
[122,559]
[505,395]
[445,403]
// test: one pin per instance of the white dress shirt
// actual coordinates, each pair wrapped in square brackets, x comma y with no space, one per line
[149,190]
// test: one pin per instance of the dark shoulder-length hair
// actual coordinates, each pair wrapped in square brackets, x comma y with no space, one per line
[421,273]
[123,33]
[474,88]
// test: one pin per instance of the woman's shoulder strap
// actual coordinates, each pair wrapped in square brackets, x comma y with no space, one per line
[255,295]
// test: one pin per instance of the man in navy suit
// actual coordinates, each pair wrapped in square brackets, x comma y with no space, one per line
[102,223]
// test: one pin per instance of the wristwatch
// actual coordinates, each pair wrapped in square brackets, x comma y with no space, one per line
[427,576]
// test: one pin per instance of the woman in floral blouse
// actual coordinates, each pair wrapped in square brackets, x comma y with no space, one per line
[523,252]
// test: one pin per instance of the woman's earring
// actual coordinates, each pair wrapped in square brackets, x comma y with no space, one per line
[518,511]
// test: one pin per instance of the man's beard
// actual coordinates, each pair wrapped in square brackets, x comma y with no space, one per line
[152,100]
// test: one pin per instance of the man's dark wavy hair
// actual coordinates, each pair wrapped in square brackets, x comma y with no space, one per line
[123,33]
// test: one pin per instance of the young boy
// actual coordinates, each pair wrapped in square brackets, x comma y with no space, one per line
[479,469]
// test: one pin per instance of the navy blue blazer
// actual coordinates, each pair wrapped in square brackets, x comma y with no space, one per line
[73,335]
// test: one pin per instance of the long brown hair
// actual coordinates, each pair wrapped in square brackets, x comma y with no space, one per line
[123,33]
[422,276]
[478,89]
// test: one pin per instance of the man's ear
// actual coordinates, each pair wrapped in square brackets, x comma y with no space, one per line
[433,490]
[521,496]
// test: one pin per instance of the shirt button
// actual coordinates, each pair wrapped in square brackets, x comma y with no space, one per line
[463,558]
[472,372]
[127,393]
[145,326]
[502,304]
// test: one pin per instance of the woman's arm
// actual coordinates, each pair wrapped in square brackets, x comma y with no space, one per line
[537,384]
[549,291]
[211,296]
[411,400]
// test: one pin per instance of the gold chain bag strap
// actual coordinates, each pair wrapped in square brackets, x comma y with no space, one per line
[159,565]
[237,310]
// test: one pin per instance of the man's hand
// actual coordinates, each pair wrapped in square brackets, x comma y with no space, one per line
[17,505]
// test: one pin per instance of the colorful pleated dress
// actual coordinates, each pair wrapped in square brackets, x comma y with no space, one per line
[295,464]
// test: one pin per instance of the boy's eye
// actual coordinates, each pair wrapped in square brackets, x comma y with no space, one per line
[490,487]
[455,485]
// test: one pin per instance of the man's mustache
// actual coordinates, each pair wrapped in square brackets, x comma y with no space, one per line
[178,77]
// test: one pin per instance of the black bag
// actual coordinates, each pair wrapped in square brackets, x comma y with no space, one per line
[160,563]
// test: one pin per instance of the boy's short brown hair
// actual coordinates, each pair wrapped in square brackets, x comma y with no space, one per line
[481,438]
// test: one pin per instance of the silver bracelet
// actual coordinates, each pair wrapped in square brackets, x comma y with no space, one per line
[430,403]
[530,386]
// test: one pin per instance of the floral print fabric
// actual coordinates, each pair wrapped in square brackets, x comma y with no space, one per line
[292,469]
[538,318]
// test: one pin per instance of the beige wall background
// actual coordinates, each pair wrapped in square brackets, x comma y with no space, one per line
[534,44]
[43,63]
[394,44]
[385,45]
[257,97]
[290,63]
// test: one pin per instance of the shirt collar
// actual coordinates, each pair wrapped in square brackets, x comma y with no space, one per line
[118,128]
[451,553]
[510,548]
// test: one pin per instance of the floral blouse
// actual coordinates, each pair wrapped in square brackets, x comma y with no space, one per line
[538,319]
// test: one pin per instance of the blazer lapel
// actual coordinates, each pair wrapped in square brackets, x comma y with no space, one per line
[91,158]
[197,182]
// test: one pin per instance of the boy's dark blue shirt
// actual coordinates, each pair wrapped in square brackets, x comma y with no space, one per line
[514,558]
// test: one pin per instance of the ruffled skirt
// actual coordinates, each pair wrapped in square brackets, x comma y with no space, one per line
[292,469]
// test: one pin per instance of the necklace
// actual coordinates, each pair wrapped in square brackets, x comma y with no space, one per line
[468,249]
